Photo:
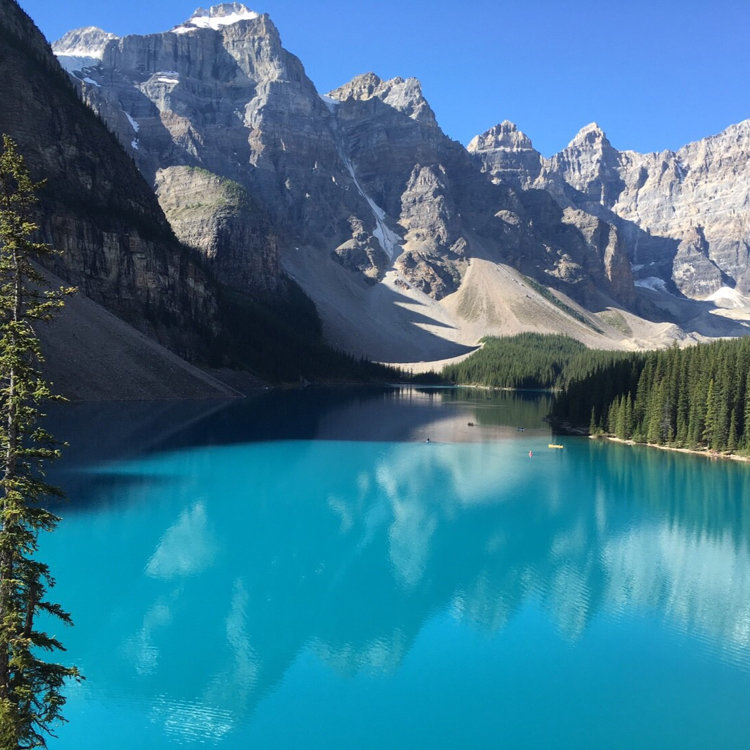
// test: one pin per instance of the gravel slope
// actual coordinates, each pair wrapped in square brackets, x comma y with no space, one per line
[91,355]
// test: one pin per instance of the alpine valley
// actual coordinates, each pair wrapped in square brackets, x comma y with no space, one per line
[200,164]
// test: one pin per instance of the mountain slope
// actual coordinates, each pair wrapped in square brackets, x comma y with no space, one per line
[117,248]
[357,194]
[92,355]
[684,215]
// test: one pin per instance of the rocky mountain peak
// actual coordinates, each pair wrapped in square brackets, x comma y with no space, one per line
[732,142]
[588,136]
[114,241]
[506,154]
[505,135]
[590,164]
[361,87]
[404,95]
[739,131]
[225,14]
[346,191]
[82,48]
[89,40]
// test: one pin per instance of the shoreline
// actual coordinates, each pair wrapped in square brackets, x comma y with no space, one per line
[713,455]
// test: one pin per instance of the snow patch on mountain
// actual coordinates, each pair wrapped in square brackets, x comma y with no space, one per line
[727,297]
[172,77]
[216,17]
[387,238]
[654,283]
[133,123]
[82,48]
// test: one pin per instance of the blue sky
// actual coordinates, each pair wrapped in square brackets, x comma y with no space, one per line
[653,76]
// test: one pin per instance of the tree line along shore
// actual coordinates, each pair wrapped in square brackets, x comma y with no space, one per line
[694,398]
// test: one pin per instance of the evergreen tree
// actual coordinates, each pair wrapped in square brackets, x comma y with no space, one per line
[620,430]
[697,397]
[31,697]
[698,401]
[683,405]
[612,416]
[628,416]
[710,431]
[745,440]
[732,440]
[593,429]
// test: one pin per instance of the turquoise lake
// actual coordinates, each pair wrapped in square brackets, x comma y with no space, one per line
[306,570]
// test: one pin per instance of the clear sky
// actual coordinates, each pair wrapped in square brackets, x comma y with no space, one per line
[654,75]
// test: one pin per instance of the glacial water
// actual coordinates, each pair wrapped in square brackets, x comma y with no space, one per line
[305,570]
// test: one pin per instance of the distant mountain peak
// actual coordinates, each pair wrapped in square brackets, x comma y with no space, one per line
[589,135]
[82,48]
[362,86]
[504,135]
[403,94]
[88,41]
[217,16]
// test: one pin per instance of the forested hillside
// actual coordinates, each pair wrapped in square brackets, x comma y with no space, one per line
[528,360]
[693,398]
[697,397]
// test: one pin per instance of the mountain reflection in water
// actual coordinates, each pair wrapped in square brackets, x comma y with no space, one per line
[212,566]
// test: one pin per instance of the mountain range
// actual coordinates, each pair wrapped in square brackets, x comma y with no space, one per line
[410,245]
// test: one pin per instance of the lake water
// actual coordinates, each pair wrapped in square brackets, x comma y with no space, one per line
[304,570]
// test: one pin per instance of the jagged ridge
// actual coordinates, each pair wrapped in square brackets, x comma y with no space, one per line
[390,226]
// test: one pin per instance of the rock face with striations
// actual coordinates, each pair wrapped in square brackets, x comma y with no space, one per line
[219,95]
[408,172]
[362,180]
[507,155]
[362,199]
[218,217]
[117,247]
[684,215]
[590,165]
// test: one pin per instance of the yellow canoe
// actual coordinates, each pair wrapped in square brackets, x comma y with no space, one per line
[555,445]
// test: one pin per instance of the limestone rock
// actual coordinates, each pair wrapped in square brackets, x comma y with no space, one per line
[362,253]
[362,176]
[361,197]
[605,241]
[591,165]
[81,49]
[507,155]
[667,195]
[693,270]
[403,95]
[217,217]
[115,243]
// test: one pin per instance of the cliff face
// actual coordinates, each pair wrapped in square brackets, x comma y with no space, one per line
[390,226]
[409,174]
[590,165]
[703,187]
[357,194]
[219,96]
[95,207]
[507,155]
[594,240]
[683,216]
[439,212]
[217,217]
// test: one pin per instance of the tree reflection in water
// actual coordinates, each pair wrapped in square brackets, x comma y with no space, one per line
[216,567]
